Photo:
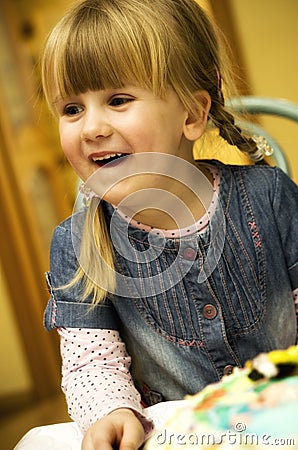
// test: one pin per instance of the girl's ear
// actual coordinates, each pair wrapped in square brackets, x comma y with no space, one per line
[196,122]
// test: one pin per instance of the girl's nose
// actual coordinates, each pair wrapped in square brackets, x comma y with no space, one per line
[95,127]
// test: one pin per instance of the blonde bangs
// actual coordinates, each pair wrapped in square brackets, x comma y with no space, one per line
[94,50]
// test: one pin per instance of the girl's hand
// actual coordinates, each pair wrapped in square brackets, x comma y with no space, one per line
[121,429]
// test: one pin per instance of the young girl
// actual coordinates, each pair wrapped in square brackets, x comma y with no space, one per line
[176,270]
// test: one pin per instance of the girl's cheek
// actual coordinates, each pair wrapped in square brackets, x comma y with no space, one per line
[66,139]
[63,143]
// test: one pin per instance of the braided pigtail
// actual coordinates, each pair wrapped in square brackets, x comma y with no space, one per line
[255,147]
[233,134]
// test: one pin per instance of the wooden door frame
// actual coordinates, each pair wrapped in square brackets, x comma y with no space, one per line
[23,271]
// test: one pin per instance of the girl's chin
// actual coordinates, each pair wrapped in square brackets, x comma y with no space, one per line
[117,197]
[129,200]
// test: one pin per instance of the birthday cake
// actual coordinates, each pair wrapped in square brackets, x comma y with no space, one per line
[254,407]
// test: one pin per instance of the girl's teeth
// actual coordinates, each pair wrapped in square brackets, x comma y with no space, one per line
[111,155]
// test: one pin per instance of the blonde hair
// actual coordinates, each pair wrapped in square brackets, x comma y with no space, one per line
[103,44]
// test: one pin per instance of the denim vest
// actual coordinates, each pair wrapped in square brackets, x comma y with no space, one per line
[212,300]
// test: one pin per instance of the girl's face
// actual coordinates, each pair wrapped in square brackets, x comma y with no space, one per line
[99,126]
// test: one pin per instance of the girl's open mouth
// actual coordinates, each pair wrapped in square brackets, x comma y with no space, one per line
[108,158]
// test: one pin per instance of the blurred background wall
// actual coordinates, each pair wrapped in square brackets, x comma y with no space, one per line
[37,185]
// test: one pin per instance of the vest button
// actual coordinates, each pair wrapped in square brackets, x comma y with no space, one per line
[209,312]
[189,253]
[228,369]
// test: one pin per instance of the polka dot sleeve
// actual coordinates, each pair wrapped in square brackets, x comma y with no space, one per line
[95,376]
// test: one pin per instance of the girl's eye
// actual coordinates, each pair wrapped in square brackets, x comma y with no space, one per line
[120,101]
[72,110]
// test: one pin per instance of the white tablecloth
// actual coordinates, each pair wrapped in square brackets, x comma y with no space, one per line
[67,436]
